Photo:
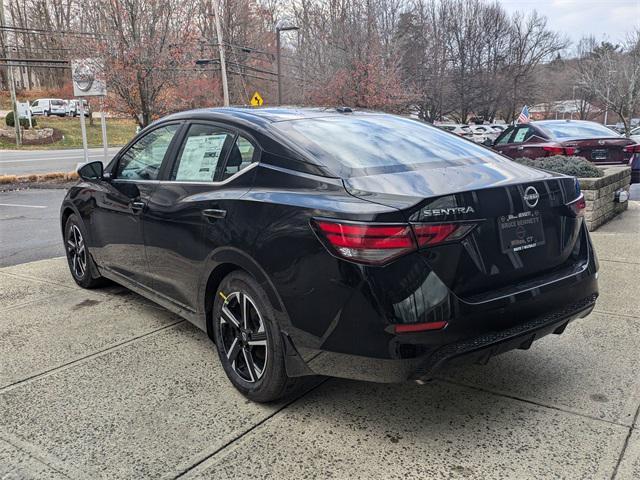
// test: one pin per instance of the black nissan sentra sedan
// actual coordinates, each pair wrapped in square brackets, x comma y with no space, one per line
[333,242]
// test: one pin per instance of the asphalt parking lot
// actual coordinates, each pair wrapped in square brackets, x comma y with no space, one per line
[104,384]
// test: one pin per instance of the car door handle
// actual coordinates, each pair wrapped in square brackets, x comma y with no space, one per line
[214,213]
[520,147]
[138,206]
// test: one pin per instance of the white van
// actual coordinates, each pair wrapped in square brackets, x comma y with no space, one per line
[49,106]
[74,108]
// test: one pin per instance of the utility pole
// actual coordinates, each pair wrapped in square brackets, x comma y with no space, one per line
[278,30]
[10,80]
[223,63]
[606,104]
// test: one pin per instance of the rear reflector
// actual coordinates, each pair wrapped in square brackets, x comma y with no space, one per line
[377,244]
[418,327]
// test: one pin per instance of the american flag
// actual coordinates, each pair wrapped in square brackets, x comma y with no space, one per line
[524,115]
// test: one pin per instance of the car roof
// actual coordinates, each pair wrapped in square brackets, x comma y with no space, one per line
[263,116]
[560,122]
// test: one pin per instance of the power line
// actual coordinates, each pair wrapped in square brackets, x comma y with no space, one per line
[216,61]
[39,31]
[26,49]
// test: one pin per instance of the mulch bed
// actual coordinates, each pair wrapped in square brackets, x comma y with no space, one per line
[58,183]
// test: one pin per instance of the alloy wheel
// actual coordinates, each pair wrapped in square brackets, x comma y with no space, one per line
[77,253]
[243,335]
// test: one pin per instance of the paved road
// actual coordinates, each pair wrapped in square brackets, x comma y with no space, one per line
[29,226]
[102,384]
[44,161]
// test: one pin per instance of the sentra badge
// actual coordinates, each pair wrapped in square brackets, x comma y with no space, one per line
[436,212]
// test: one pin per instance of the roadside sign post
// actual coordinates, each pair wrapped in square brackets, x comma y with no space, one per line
[103,122]
[14,104]
[24,111]
[88,81]
[83,127]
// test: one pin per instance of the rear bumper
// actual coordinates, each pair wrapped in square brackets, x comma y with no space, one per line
[476,349]
[359,340]
[480,349]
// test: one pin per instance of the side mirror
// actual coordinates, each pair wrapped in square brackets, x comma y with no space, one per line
[488,143]
[91,171]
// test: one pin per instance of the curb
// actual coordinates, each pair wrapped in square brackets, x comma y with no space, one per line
[38,177]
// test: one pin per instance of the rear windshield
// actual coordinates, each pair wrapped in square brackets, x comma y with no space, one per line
[568,130]
[366,145]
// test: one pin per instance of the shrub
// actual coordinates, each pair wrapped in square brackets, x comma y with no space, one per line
[24,122]
[574,166]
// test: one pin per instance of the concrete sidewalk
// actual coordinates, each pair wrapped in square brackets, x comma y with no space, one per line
[103,384]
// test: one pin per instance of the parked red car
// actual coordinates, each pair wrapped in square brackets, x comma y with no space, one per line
[545,138]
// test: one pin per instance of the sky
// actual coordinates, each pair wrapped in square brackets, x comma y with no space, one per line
[605,19]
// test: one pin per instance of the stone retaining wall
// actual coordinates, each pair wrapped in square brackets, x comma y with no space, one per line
[600,195]
[27,134]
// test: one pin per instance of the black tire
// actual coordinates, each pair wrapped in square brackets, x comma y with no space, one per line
[265,384]
[81,265]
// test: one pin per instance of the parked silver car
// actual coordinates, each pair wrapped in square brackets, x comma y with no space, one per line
[458,129]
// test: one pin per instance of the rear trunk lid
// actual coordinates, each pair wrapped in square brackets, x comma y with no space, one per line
[601,150]
[523,228]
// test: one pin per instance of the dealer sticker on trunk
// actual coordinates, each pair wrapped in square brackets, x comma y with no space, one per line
[521,231]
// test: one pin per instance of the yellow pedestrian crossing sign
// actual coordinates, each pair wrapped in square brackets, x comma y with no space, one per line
[256,100]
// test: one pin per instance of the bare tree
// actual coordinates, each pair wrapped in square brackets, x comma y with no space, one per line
[149,43]
[612,75]
[530,43]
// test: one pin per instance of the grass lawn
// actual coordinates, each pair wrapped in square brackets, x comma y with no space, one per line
[119,132]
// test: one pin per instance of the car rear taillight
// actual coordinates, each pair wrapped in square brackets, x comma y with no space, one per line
[634,148]
[578,206]
[367,243]
[429,235]
[377,244]
[553,150]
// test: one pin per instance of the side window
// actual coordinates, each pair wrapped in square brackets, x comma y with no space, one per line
[35,104]
[240,157]
[504,137]
[522,134]
[143,159]
[201,154]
